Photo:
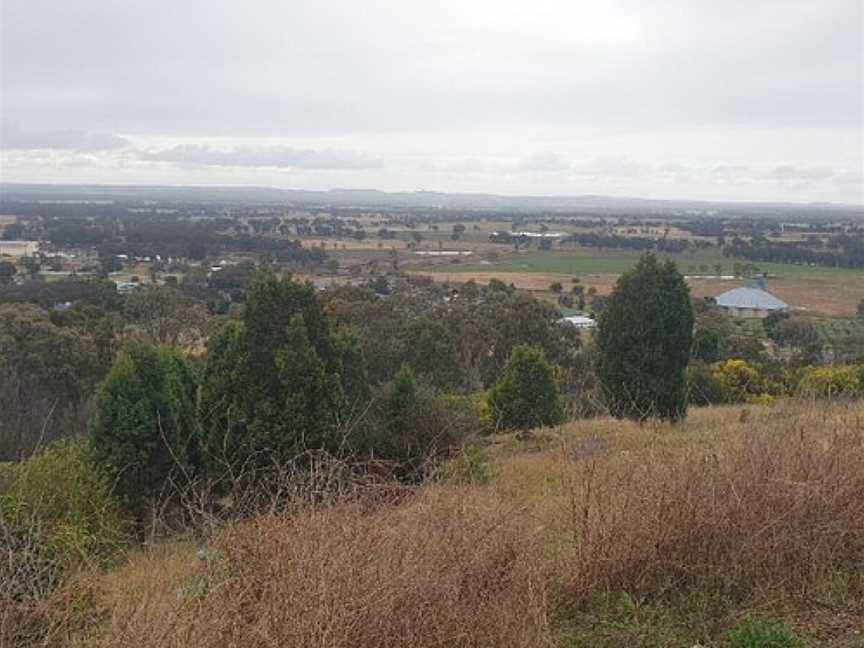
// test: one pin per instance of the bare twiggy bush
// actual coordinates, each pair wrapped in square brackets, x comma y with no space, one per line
[452,568]
[205,505]
[776,505]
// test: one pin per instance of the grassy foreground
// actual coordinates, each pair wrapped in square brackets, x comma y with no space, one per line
[598,533]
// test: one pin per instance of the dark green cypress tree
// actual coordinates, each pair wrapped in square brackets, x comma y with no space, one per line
[221,408]
[312,399]
[352,369]
[525,396]
[643,342]
[280,382]
[401,399]
[397,432]
[145,426]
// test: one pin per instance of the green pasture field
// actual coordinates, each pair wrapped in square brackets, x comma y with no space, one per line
[585,260]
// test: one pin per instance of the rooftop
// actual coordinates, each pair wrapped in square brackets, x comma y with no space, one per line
[750,298]
[580,321]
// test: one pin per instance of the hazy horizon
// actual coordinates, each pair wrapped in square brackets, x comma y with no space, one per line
[738,101]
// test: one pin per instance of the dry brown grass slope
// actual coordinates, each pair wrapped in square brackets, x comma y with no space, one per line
[599,533]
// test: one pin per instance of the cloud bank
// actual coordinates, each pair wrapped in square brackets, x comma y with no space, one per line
[552,96]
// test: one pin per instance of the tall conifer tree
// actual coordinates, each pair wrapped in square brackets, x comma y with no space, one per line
[145,428]
[643,342]
[280,382]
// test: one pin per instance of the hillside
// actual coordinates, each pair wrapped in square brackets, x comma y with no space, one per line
[598,533]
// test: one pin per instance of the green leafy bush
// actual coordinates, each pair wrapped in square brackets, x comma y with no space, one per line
[739,380]
[703,385]
[57,513]
[47,373]
[400,400]
[526,395]
[757,634]
[410,425]
[832,382]
[145,426]
[471,466]
[728,382]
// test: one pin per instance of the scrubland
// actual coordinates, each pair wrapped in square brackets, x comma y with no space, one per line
[596,533]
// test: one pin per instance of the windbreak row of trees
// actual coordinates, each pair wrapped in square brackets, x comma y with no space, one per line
[841,251]
[141,235]
[641,243]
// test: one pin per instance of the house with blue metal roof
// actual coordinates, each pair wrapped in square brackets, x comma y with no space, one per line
[750,302]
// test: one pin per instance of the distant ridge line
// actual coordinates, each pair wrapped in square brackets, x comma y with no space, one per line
[420,199]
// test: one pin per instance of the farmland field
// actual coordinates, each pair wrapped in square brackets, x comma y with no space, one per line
[584,260]
[18,248]
[819,290]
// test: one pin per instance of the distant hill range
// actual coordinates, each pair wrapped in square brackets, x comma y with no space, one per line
[415,200]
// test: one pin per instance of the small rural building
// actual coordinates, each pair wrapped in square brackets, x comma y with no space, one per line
[750,302]
[581,321]
[127,286]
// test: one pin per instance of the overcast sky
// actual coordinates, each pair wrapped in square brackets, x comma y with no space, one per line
[717,99]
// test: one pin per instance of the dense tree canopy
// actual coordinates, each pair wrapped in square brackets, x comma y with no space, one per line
[145,428]
[47,372]
[280,382]
[525,396]
[95,292]
[454,341]
[7,272]
[644,342]
[166,315]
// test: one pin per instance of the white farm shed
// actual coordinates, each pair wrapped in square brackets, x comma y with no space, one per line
[581,321]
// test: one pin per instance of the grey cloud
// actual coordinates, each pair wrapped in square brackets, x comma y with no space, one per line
[612,166]
[673,167]
[547,162]
[462,166]
[281,157]
[299,67]
[730,173]
[13,137]
[752,82]
[789,172]
[850,178]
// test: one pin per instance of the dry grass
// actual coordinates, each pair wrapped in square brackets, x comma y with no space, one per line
[681,528]
[18,248]
[451,568]
[776,506]
[600,533]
